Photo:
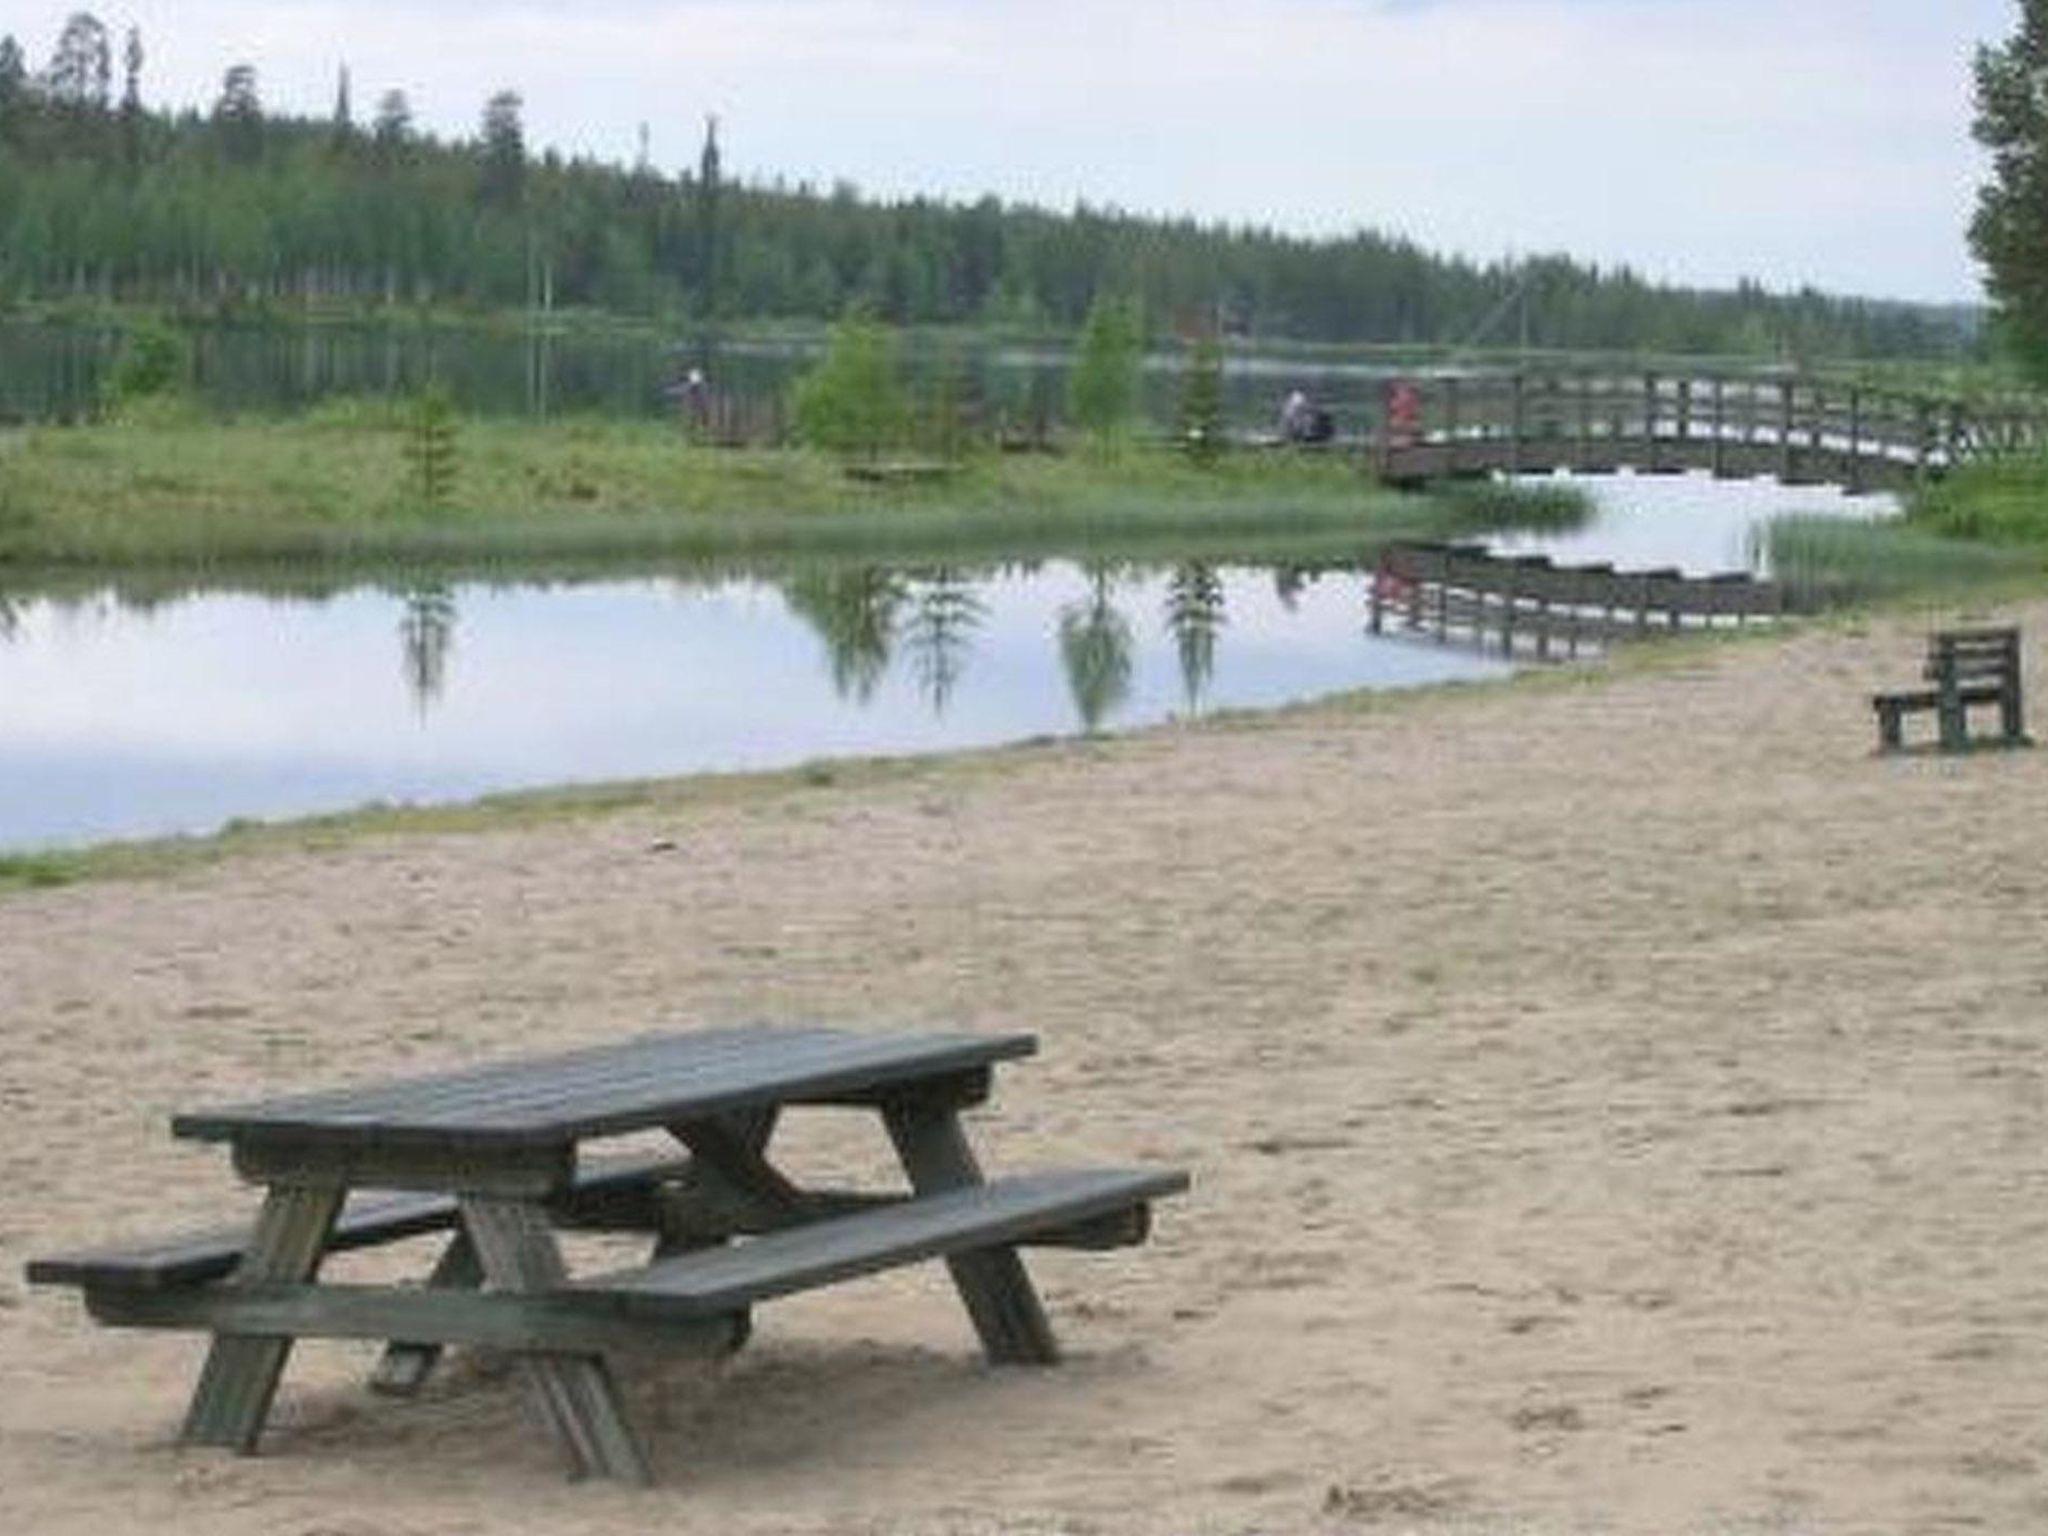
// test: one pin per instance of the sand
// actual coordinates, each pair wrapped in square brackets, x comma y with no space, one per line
[1612,1106]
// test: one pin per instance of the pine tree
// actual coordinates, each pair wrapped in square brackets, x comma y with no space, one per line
[2010,231]
[131,101]
[81,70]
[14,89]
[238,116]
[501,173]
[710,190]
[343,124]
[391,133]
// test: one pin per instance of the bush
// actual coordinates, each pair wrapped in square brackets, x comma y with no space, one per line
[1102,393]
[430,447]
[2001,501]
[153,362]
[852,402]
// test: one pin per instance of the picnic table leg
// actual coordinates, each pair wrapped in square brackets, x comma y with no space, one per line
[574,1392]
[406,1365]
[241,1373]
[730,1151]
[992,1282]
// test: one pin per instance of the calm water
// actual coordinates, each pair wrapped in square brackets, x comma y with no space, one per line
[121,721]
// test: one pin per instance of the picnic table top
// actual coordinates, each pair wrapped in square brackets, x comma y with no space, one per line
[605,1090]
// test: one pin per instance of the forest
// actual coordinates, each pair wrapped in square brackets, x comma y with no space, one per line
[106,197]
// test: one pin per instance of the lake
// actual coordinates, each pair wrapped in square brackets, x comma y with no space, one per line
[125,719]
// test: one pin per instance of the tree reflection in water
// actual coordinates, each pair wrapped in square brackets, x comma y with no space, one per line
[1194,617]
[426,631]
[938,633]
[1095,646]
[855,612]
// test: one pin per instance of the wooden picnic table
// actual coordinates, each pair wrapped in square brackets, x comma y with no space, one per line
[490,1154]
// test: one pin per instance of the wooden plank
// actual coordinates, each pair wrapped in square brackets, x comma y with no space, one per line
[564,1321]
[240,1377]
[409,1358]
[609,1194]
[961,1221]
[992,1282]
[574,1392]
[654,1080]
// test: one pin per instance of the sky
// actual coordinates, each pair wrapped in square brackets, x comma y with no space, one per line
[1821,142]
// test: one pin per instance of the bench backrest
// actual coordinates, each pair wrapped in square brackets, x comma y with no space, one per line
[1973,654]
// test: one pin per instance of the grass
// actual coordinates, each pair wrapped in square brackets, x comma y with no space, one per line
[168,487]
[1828,562]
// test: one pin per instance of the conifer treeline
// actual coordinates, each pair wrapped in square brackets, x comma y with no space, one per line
[102,195]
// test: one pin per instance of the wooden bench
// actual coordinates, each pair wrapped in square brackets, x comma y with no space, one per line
[1966,667]
[711,1287]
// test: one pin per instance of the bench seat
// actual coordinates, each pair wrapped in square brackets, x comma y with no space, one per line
[1003,1212]
[612,1190]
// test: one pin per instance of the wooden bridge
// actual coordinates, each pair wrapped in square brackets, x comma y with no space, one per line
[1801,431]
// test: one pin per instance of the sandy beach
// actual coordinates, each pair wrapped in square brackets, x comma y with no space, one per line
[1614,1106]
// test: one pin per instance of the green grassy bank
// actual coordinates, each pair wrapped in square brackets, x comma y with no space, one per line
[173,488]
[1982,529]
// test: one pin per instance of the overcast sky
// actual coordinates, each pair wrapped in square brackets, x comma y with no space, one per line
[1797,141]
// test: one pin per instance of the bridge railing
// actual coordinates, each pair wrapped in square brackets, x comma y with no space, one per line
[1797,429]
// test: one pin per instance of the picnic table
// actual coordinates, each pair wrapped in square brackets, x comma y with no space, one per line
[491,1156]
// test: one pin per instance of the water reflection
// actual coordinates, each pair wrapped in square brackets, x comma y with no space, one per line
[854,613]
[149,706]
[1096,643]
[944,613]
[426,632]
[1194,617]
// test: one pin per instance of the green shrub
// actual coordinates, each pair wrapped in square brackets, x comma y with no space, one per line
[2002,500]
[153,361]
[1102,392]
[430,447]
[852,401]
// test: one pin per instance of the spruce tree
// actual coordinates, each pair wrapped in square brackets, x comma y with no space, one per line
[501,174]
[238,116]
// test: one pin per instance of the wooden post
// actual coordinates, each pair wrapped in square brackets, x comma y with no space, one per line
[1585,420]
[1650,421]
[1518,417]
[1720,428]
[574,1393]
[991,1281]
[240,1377]
[1785,388]
[1451,424]
[1855,477]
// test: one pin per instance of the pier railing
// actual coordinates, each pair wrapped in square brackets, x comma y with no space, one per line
[1802,431]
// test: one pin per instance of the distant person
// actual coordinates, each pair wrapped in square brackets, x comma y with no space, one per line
[696,399]
[1303,421]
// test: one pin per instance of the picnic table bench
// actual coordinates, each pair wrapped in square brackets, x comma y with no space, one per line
[490,1155]
[1966,666]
